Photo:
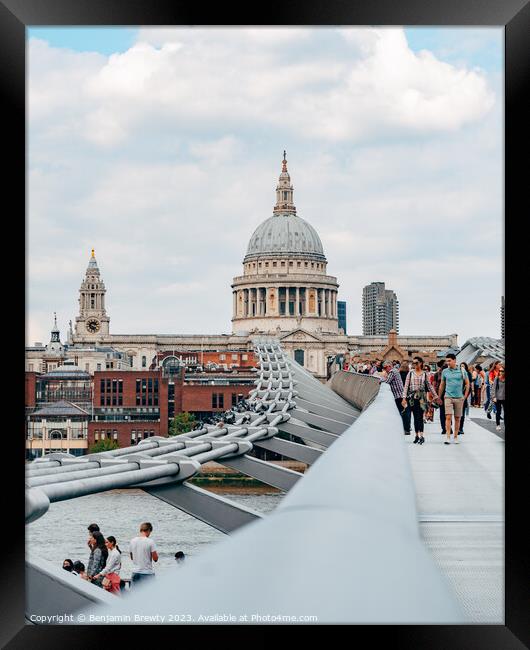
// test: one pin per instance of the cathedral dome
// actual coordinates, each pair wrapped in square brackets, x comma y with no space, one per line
[285,234]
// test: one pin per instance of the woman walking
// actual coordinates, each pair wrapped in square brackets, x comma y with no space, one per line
[491,375]
[417,385]
[497,395]
[478,383]
[98,556]
[429,412]
[110,575]
[465,373]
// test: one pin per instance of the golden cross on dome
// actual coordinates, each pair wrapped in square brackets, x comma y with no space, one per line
[284,162]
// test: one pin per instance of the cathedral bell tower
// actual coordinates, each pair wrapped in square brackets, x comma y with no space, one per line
[92,322]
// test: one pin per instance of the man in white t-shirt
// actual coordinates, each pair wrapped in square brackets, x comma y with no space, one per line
[143,552]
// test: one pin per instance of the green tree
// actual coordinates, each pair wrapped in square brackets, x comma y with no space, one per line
[103,445]
[182,423]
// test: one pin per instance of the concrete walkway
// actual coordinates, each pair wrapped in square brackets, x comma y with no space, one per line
[460,502]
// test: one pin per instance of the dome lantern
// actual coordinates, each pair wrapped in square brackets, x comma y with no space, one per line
[284,192]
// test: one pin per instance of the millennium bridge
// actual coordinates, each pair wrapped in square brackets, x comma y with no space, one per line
[375,531]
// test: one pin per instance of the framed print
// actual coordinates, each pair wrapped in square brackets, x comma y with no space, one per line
[247,240]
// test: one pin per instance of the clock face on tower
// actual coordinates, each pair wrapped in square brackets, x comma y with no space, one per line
[93,325]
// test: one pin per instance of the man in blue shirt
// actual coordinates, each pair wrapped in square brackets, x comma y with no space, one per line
[455,388]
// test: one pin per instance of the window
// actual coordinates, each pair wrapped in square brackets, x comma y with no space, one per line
[214,400]
[120,400]
[144,362]
[115,434]
[102,385]
[102,400]
[298,264]
[299,357]
[96,435]
[234,399]
[234,357]
[120,385]
[274,264]
[138,385]
[221,400]
[30,367]
[98,367]
[222,357]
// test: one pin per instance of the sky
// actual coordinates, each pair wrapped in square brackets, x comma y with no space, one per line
[161,149]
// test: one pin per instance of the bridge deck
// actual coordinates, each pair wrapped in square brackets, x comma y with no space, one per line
[460,501]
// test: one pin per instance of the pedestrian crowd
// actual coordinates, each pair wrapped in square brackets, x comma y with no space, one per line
[452,388]
[104,561]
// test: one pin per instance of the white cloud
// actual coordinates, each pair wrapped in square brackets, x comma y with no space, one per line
[238,76]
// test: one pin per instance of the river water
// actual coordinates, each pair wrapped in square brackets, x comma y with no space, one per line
[62,532]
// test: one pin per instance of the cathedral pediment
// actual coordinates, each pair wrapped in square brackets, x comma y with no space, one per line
[300,336]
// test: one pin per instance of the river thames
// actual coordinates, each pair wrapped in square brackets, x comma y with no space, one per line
[62,532]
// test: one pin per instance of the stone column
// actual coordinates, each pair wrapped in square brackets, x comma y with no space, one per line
[234,304]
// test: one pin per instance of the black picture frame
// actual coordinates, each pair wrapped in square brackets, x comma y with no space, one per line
[514,15]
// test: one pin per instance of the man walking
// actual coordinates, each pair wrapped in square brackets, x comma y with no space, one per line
[455,388]
[393,378]
[436,382]
[143,553]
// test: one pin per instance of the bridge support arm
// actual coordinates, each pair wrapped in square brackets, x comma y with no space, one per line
[212,509]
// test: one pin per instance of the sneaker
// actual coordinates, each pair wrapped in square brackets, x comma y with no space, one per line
[416,439]
[421,440]
[456,441]
[488,415]
[497,428]
[446,442]
[407,433]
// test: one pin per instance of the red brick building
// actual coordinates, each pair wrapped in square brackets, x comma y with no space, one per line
[30,389]
[129,406]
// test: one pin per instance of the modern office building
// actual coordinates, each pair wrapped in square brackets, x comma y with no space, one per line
[341,307]
[380,310]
